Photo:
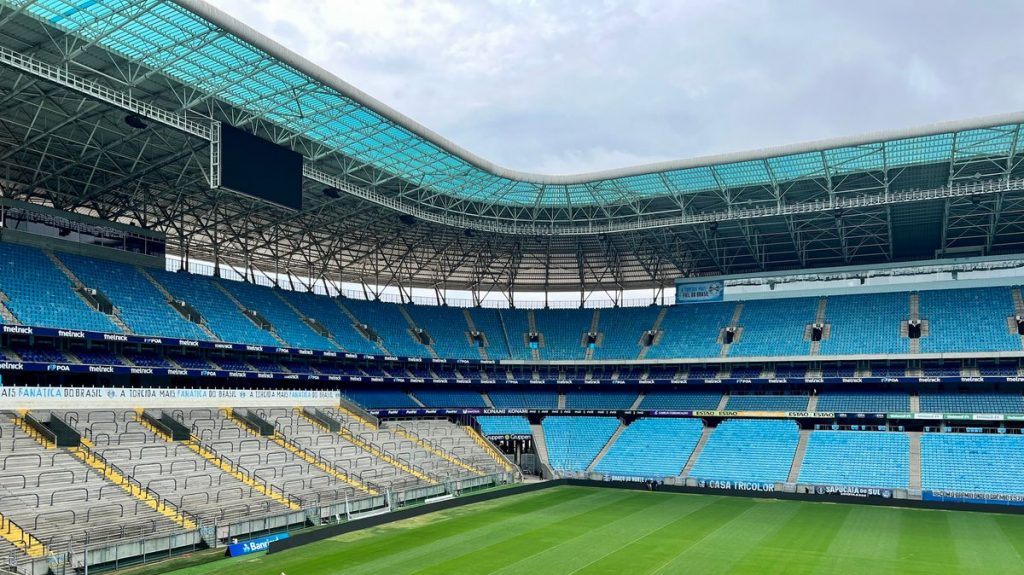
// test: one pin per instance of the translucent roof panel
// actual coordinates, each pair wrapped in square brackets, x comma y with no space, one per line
[199,53]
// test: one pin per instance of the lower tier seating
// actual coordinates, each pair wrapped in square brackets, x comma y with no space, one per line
[767,403]
[748,450]
[652,448]
[504,425]
[574,442]
[973,463]
[972,403]
[857,459]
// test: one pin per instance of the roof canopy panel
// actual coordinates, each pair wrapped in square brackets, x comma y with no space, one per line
[210,52]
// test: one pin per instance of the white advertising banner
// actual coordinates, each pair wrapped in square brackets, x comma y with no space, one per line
[127,398]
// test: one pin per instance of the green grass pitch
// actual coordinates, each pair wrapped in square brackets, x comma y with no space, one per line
[587,530]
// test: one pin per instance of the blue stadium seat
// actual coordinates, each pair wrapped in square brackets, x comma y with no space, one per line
[140,304]
[775,327]
[864,401]
[748,450]
[287,325]
[488,322]
[857,459]
[652,448]
[42,295]
[972,403]
[574,442]
[563,331]
[380,398]
[608,399]
[680,400]
[973,463]
[866,324]
[968,320]
[448,329]
[622,328]
[525,399]
[387,321]
[504,425]
[220,314]
[324,310]
[692,330]
[767,403]
[449,398]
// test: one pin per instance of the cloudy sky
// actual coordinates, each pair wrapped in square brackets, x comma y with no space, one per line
[570,86]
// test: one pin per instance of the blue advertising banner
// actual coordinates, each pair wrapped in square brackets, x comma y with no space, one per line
[254,545]
[699,292]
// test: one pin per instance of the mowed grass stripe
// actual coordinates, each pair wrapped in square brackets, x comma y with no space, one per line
[867,540]
[355,549]
[408,560]
[981,547]
[577,553]
[592,530]
[722,550]
[495,556]
[650,553]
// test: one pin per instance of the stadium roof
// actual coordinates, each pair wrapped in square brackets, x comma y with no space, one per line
[71,71]
[215,54]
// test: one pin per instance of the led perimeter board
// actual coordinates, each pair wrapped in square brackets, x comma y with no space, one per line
[252,166]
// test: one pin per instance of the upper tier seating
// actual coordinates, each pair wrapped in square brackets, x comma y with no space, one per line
[693,330]
[748,450]
[220,314]
[775,327]
[139,303]
[387,321]
[324,310]
[652,448]
[600,399]
[287,325]
[504,425]
[866,323]
[447,328]
[962,320]
[857,459]
[968,320]
[973,463]
[767,403]
[517,326]
[863,402]
[574,442]
[622,329]
[563,331]
[524,399]
[680,400]
[42,295]
[449,398]
[380,398]
[488,322]
[972,403]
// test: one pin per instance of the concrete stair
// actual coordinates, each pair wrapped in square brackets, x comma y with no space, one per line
[561,401]
[541,446]
[413,327]
[639,399]
[415,399]
[243,309]
[168,297]
[355,322]
[798,457]
[607,446]
[696,451]
[812,403]
[722,402]
[915,460]
[595,320]
[304,318]
[487,400]
[532,319]
[5,313]
[656,329]
[915,403]
[115,317]
[481,349]
[734,322]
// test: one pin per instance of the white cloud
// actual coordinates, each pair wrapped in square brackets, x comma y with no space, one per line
[564,86]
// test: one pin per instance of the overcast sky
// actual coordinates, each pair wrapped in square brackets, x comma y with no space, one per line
[563,87]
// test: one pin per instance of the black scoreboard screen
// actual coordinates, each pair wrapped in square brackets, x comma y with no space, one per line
[255,167]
